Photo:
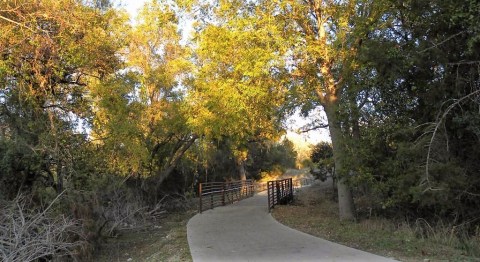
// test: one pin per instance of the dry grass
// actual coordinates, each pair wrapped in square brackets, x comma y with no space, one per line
[165,240]
[314,213]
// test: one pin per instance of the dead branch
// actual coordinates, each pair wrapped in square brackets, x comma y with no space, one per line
[27,235]
[438,123]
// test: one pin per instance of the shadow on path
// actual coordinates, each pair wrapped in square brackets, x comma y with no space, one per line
[245,231]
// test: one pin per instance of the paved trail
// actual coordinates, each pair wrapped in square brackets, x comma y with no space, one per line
[245,231]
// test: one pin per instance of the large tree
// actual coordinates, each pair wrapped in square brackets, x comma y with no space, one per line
[238,90]
[141,111]
[315,41]
[331,34]
[49,59]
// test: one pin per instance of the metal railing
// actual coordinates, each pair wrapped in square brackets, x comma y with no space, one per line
[301,182]
[279,192]
[214,194]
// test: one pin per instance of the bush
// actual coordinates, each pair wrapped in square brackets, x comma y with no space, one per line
[28,234]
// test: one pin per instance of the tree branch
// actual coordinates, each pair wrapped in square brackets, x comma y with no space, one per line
[309,128]
[440,119]
[15,22]
[442,42]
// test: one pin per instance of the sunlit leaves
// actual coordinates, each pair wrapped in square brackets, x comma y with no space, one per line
[238,87]
[51,55]
[141,110]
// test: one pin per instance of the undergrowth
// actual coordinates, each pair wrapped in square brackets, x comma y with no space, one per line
[314,212]
[163,240]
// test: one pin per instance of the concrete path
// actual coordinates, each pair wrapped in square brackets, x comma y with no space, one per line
[245,231]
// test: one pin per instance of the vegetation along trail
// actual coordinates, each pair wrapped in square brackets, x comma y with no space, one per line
[109,123]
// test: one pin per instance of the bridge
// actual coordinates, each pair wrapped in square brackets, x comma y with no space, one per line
[245,231]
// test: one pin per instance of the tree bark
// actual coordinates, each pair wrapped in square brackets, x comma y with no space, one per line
[328,96]
[345,198]
[240,156]
[241,168]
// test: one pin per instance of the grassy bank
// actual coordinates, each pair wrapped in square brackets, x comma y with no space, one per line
[314,212]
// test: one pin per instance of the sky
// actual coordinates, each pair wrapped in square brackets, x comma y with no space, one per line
[132,6]
[294,123]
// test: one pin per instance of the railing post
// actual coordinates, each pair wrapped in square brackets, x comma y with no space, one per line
[279,193]
[223,194]
[229,195]
[246,189]
[270,194]
[242,186]
[200,196]
[211,201]
[291,189]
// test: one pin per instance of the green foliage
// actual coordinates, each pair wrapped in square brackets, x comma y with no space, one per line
[419,114]
[86,97]
[321,151]
[269,156]
[238,87]
[49,60]
[322,160]
[141,114]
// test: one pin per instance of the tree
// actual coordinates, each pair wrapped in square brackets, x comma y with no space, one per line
[332,33]
[49,60]
[315,42]
[423,82]
[321,151]
[237,89]
[141,113]
[268,156]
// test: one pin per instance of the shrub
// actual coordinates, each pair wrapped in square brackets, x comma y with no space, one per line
[28,234]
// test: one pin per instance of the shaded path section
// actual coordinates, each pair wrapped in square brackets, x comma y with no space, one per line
[245,231]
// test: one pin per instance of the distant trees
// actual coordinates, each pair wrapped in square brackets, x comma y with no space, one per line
[268,156]
[322,158]
[264,156]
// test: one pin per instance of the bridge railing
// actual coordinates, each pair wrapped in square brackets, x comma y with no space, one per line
[214,194]
[301,182]
[297,183]
[279,192]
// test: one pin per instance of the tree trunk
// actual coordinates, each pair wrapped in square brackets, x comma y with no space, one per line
[345,199]
[241,169]
[174,160]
